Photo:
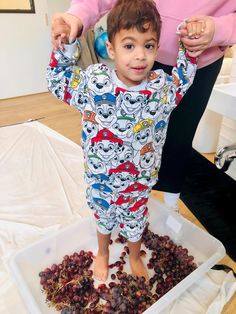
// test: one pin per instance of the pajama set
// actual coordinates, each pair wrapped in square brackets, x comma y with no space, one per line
[123,133]
[180,134]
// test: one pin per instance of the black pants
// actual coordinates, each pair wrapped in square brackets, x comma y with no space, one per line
[183,123]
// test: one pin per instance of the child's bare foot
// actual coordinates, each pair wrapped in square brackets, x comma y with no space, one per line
[137,268]
[101,267]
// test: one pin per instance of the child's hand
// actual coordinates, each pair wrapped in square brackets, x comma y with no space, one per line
[195,46]
[191,30]
[195,29]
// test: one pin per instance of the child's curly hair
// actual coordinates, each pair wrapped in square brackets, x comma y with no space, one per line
[139,14]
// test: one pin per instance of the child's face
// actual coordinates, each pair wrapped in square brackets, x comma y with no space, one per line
[134,54]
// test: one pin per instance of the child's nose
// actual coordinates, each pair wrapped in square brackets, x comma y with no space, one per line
[140,54]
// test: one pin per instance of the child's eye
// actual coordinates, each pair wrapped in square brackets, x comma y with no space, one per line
[149,46]
[129,46]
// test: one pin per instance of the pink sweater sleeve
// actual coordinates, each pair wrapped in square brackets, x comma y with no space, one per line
[89,11]
[225,30]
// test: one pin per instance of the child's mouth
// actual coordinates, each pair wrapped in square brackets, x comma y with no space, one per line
[139,69]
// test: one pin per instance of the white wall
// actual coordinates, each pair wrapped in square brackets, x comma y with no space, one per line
[25,49]
[25,46]
[57,6]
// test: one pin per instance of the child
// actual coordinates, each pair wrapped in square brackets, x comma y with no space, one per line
[125,115]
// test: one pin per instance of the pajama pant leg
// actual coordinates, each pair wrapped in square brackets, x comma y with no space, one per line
[131,219]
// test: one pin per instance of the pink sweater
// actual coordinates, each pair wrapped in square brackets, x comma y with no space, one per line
[173,12]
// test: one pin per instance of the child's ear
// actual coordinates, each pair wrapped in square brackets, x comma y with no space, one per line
[110,50]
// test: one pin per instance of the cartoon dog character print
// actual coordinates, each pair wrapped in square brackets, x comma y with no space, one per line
[100,178]
[122,204]
[163,95]
[147,165]
[77,79]
[106,223]
[148,178]
[89,199]
[106,144]
[171,95]
[187,71]
[103,67]
[58,66]
[60,90]
[123,127]
[136,190]
[90,125]
[140,207]
[152,108]
[142,134]
[184,70]
[166,111]
[131,103]
[133,228]
[89,150]
[93,178]
[159,134]
[122,176]
[101,191]
[95,164]
[105,108]
[124,153]
[147,157]
[100,205]
[157,80]
[99,81]
[82,101]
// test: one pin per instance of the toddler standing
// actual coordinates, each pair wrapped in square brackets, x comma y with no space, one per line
[125,114]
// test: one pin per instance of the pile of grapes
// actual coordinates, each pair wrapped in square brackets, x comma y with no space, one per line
[70,288]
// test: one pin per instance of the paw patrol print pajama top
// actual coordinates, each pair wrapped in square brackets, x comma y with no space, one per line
[123,133]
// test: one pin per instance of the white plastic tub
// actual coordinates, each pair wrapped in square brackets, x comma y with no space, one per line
[26,264]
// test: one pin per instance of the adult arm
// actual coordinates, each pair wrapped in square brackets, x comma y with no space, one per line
[225,30]
[80,17]
[89,11]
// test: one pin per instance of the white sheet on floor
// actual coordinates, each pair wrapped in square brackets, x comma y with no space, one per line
[42,189]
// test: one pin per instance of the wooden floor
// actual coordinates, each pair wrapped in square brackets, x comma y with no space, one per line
[66,121]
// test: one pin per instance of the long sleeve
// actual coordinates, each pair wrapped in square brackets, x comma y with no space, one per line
[66,80]
[182,74]
[225,30]
[89,12]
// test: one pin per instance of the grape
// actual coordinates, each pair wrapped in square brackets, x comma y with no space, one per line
[66,311]
[69,285]
[113,276]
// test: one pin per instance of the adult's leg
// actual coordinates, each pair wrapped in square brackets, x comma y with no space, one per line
[182,126]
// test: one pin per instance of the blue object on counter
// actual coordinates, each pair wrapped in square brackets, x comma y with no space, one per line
[100,44]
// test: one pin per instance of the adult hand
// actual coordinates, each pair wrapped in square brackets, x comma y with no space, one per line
[196,46]
[65,28]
